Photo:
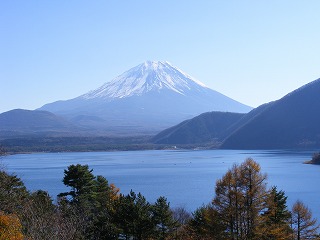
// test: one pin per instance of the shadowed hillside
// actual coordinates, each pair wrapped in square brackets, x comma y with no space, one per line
[207,127]
[291,122]
[18,121]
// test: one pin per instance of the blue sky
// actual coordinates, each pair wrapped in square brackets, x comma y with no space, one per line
[252,51]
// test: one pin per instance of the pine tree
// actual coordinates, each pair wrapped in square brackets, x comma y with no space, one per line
[134,216]
[103,200]
[163,218]
[81,181]
[91,201]
[197,226]
[275,221]
[206,224]
[13,193]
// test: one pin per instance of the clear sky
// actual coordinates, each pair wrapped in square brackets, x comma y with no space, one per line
[252,51]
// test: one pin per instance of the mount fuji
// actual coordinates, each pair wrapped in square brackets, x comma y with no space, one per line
[145,99]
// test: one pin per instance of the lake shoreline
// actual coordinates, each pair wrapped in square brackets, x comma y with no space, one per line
[178,174]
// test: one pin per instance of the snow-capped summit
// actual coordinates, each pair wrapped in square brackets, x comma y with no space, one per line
[147,98]
[147,77]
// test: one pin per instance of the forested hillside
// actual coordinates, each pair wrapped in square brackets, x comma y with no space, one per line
[291,122]
[205,128]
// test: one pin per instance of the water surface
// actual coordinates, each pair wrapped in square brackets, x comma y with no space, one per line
[186,178]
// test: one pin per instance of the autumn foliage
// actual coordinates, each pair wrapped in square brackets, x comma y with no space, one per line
[242,208]
[10,227]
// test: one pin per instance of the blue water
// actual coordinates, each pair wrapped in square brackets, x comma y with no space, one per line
[186,178]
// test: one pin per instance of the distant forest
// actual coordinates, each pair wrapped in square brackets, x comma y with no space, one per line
[242,208]
[73,144]
[87,144]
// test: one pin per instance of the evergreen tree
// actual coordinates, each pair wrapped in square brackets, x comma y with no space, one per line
[104,194]
[124,216]
[91,202]
[275,221]
[163,218]
[143,223]
[134,216]
[206,224]
[13,193]
[81,181]
[103,210]
[197,225]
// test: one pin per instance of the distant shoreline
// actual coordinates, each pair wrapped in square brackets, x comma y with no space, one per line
[315,159]
[311,162]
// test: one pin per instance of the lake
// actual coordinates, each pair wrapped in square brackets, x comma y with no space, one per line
[186,178]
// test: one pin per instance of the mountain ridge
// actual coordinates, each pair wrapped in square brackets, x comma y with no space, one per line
[290,122]
[22,122]
[209,127]
[147,98]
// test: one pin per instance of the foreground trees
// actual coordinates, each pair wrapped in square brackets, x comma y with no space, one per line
[243,208]
[303,225]
[103,213]
[275,221]
[90,203]
[10,227]
[163,218]
[240,198]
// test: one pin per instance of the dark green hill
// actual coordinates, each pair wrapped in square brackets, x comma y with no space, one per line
[291,122]
[204,128]
[19,122]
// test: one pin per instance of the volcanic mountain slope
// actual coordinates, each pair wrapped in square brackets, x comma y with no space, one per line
[147,98]
[288,123]
[205,128]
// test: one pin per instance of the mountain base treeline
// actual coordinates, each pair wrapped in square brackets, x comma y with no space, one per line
[243,208]
[90,144]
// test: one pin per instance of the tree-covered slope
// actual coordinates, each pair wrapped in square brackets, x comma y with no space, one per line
[204,128]
[291,122]
[21,121]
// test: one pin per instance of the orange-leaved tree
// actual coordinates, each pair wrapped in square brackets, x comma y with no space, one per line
[10,227]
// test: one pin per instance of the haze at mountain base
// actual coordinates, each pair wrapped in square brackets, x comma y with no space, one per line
[149,97]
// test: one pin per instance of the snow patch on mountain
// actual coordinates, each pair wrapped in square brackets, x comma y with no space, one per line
[147,77]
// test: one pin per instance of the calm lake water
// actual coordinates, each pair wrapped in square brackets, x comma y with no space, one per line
[186,178]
